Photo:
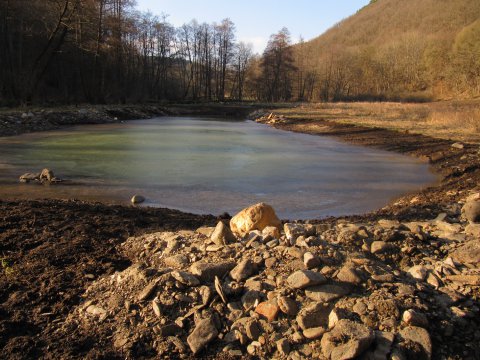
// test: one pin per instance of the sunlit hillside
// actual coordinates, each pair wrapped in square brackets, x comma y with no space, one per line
[418,49]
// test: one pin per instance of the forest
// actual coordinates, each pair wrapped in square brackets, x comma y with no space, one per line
[105,51]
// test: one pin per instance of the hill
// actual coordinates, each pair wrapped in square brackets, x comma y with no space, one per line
[396,49]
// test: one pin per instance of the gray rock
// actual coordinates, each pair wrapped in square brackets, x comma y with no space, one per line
[243,270]
[346,340]
[222,235]
[418,335]
[137,199]
[207,271]
[185,278]
[326,293]
[305,278]
[314,316]
[292,231]
[204,332]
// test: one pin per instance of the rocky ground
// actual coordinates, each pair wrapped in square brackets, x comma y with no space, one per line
[87,280]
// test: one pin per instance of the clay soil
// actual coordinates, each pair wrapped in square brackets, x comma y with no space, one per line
[52,250]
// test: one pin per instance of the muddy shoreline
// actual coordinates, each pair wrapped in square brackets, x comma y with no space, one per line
[52,250]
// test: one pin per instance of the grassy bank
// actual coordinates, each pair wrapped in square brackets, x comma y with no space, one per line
[450,120]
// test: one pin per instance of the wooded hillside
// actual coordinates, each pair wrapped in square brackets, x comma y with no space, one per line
[398,50]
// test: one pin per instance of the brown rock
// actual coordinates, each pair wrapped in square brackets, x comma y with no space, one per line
[326,293]
[243,270]
[207,271]
[222,235]
[305,278]
[256,217]
[313,316]
[418,335]
[287,306]
[346,340]
[204,332]
[268,309]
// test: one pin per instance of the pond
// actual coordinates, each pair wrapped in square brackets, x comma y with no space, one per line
[209,165]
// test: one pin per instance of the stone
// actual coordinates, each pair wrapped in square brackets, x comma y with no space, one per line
[326,293]
[171,329]
[185,278]
[287,305]
[473,230]
[458,146]
[222,235]
[347,340]
[46,175]
[26,178]
[383,345]
[418,335]
[156,308]
[283,347]
[313,316]
[147,291]
[314,333]
[293,231]
[311,261]
[207,271]
[380,247]
[243,270]
[256,217]
[471,211]
[176,261]
[137,199]
[204,332]
[467,253]
[271,232]
[349,275]
[268,309]
[96,310]
[250,298]
[418,272]
[305,278]
[414,318]
[473,279]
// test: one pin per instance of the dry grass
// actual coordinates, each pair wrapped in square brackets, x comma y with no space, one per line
[455,120]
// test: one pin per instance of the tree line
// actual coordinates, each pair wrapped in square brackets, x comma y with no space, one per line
[105,51]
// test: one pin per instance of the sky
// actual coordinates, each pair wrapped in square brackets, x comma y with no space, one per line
[256,20]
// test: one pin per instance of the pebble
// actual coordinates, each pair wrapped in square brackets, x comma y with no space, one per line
[305,278]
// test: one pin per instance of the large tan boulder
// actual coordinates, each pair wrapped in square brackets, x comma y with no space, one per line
[256,217]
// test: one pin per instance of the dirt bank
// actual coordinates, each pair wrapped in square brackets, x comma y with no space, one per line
[52,251]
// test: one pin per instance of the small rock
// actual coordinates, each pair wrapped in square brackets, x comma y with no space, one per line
[418,272]
[380,247]
[243,270]
[207,271]
[147,291]
[305,278]
[271,232]
[287,306]
[253,329]
[471,211]
[96,310]
[46,175]
[204,332]
[314,333]
[457,145]
[418,335]
[268,309]
[314,315]
[349,275]
[346,340]
[137,199]
[156,308]
[222,235]
[311,261]
[413,318]
[293,231]
[176,261]
[326,293]
[185,278]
